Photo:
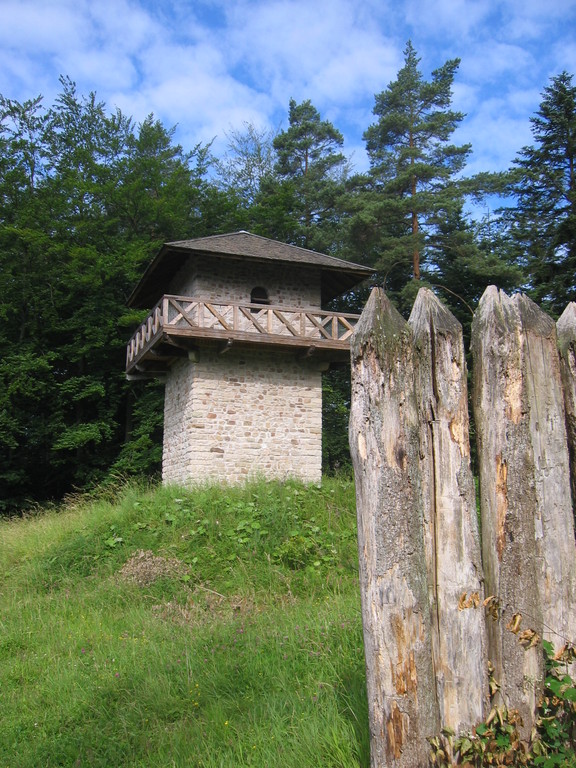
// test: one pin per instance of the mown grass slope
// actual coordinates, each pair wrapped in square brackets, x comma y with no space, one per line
[163,627]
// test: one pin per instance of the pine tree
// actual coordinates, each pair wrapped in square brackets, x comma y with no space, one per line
[304,192]
[470,255]
[411,186]
[544,221]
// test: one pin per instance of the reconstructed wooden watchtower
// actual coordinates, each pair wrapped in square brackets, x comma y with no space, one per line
[239,333]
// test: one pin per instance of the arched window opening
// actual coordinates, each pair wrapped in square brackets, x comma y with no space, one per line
[259,295]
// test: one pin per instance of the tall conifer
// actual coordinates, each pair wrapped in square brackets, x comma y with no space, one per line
[303,195]
[411,186]
[544,220]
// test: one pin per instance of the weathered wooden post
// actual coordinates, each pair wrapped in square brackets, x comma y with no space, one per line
[527,526]
[384,441]
[566,330]
[452,540]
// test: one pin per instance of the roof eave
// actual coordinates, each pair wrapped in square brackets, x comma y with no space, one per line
[169,259]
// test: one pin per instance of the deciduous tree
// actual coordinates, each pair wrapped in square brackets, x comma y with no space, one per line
[85,199]
[249,159]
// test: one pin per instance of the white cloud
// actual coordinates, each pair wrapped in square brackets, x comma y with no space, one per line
[456,18]
[525,20]
[490,61]
[211,65]
[294,44]
[562,57]
[90,42]
[496,135]
[364,67]
[120,25]
[38,28]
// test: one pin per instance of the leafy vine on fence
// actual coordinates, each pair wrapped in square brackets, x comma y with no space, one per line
[497,742]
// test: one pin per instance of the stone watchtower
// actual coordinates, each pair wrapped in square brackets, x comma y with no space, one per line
[240,336]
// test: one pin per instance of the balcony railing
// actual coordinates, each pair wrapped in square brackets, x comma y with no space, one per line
[179,318]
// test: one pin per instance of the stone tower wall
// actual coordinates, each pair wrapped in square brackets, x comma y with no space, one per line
[244,414]
[220,280]
[252,411]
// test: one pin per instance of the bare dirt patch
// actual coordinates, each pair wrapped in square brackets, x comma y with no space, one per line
[204,606]
[144,568]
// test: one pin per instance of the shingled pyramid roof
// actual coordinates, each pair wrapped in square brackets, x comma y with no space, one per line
[337,275]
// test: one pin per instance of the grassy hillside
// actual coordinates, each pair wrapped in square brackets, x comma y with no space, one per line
[161,627]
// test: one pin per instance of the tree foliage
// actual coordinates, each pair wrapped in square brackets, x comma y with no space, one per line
[87,197]
[470,255]
[544,218]
[303,193]
[406,216]
[248,160]
[413,165]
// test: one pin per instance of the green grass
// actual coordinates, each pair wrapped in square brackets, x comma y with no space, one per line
[247,653]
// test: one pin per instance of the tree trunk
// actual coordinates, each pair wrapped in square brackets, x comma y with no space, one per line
[414,216]
[527,526]
[415,233]
[403,708]
[450,523]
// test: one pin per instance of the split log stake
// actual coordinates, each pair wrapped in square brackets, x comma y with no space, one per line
[566,330]
[455,576]
[384,441]
[527,524]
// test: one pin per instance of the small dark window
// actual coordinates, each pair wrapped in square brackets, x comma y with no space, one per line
[259,295]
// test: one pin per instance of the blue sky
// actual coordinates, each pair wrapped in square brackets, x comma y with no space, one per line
[210,66]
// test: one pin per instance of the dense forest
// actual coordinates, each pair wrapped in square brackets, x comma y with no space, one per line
[87,197]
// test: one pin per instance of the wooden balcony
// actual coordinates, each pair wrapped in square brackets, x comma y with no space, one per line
[178,324]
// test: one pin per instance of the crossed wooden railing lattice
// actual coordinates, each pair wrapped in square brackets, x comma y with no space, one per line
[185,316]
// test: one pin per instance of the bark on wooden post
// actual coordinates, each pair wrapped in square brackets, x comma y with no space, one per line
[384,442]
[527,528]
[566,330]
[455,576]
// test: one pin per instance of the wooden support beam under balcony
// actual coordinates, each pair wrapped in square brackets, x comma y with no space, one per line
[178,324]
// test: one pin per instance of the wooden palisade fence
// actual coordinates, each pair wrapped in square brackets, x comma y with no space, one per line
[436,606]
